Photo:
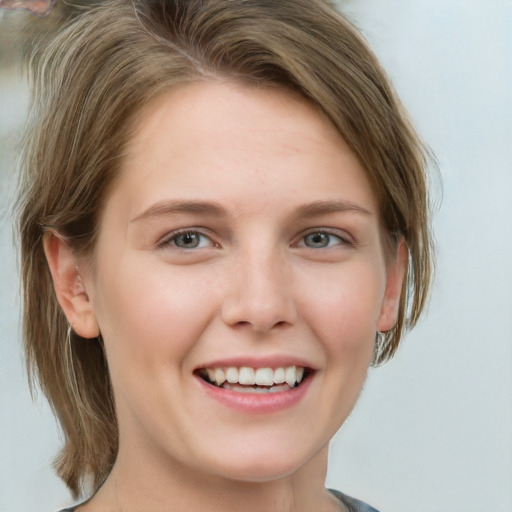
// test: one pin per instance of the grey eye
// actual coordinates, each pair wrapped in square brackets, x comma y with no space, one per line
[188,240]
[317,240]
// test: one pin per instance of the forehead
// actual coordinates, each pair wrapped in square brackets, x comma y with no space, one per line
[226,141]
[202,111]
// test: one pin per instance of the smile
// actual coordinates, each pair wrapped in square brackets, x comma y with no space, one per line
[255,380]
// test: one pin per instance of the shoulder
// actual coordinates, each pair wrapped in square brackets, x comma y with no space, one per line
[353,504]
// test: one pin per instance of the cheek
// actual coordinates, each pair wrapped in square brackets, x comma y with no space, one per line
[342,312]
[149,315]
[343,309]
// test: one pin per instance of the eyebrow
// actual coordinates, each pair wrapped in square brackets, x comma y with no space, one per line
[168,207]
[318,208]
[314,209]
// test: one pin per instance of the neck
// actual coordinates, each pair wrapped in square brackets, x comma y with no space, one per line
[134,486]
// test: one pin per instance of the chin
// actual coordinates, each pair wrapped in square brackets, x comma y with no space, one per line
[260,466]
[260,474]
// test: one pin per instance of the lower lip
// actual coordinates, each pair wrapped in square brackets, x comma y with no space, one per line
[258,403]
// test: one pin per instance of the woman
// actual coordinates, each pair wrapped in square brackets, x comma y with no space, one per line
[223,223]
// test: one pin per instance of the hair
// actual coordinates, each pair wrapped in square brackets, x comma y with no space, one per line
[89,83]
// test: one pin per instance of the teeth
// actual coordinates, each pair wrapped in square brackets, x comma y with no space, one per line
[247,376]
[279,375]
[264,376]
[232,375]
[275,379]
[245,389]
[219,376]
[290,375]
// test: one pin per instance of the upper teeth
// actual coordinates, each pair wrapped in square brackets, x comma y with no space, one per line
[261,376]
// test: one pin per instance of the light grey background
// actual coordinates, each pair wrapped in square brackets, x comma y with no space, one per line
[433,429]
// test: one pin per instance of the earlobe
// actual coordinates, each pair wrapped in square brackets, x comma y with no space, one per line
[69,287]
[396,273]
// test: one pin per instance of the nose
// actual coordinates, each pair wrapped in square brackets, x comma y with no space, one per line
[259,292]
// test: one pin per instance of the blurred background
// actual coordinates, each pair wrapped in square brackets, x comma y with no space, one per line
[433,429]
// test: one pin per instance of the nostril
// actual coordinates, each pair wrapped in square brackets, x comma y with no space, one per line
[244,324]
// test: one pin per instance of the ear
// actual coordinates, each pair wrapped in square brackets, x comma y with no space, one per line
[395,275]
[69,287]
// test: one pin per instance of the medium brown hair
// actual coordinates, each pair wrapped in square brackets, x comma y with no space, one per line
[88,85]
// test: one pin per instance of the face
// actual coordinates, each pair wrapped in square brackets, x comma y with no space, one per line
[238,282]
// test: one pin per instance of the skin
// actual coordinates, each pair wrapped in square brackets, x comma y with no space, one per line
[255,286]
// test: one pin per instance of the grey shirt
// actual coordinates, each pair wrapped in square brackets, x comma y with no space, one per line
[352,504]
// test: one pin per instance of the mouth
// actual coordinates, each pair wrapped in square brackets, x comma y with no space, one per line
[245,379]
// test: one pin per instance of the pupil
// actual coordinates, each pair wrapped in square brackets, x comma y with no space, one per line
[189,239]
[318,239]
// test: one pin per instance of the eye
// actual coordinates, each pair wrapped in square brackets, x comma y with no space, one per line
[187,240]
[322,240]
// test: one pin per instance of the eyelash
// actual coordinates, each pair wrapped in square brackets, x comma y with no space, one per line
[342,240]
[171,239]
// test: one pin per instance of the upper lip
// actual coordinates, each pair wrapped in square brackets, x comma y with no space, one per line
[275,361]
